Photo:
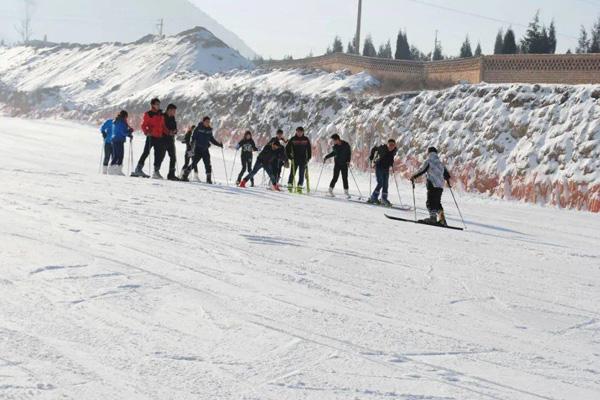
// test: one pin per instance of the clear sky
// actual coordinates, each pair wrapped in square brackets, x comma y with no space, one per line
[274,28]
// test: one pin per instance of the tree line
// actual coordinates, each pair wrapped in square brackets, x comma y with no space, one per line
[538,39]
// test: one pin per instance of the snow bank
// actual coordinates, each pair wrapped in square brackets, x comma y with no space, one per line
[538,143]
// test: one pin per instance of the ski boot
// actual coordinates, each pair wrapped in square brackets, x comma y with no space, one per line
[299,190]
[172,176]
[386,203]
[347,194]
[373,201]
[242,183]
[275,188]
[118,170]
[441,218]
[252,183]
[432,220]
[196,178]
[138,173]
[185,176]
[157,175]
[290,188]
[330,192]
[209,179]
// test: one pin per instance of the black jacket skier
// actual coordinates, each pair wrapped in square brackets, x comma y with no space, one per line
[247,146]
[170,130]
[382,156]
[299,151]
[383,159]
[201,140]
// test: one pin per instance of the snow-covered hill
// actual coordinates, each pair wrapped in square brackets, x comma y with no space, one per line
[93,21]
[120,288]
[538,143]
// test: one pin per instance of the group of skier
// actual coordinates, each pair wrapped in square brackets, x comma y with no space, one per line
[160,129]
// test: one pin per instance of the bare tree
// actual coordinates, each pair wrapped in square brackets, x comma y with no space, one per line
[24,28]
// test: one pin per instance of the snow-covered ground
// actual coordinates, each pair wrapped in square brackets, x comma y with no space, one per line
[139,289]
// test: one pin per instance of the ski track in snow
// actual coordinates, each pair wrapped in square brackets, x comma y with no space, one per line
[116,287]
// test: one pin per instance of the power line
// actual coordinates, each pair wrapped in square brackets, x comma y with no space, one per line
[475,15]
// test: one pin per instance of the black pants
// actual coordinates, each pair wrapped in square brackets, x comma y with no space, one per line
[257,167]
[188,159]
[336,174]
[246,166]
[107,154]
[159,152]
[169,148]
[299,168]
[434,199]
[118,152]
[204,155]
[276,167]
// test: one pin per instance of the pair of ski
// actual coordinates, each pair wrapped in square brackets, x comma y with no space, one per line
[423,223]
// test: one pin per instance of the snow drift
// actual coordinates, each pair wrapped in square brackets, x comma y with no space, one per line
[538,143]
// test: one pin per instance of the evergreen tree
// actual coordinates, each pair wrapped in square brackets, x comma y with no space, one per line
[465,50]
[402,47]
[552,38]
[569,51]
[418,55]
[583,44]
[478,52]
[499,45]
[338,47]
[595,40]
[437,52]
[350,49]
[369,47]
[509,43]
[385,50]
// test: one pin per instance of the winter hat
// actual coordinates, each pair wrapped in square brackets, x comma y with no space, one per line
[432,150]
[335,136]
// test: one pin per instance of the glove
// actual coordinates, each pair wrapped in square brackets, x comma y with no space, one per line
[412,180]
[221,145]
[324,160]
[448,182]
[190,153]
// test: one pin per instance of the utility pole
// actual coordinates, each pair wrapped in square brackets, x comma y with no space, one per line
[160,25]
[358,23]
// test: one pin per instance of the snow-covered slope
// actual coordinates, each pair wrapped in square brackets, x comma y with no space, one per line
[539,143]
[106,74]
[118,288]
[93,21]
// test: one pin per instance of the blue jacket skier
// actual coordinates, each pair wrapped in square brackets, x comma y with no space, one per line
[106,130]
[201,141]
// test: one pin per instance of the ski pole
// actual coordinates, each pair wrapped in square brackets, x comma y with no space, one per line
[370,178]
[355,182]
[319,180]
[233,165]
[458,208]
[225,166]
[101,159]
[130,157]
[397,188]
[414,200]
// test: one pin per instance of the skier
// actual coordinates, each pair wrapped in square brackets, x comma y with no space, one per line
[382,157]
[106,130]
[299,151]
[168,140]
[266,159]
[153,128]
[278,163]
[189,152]
[436,175]
[201,140]
[342,154]
[120,132]
[247,146]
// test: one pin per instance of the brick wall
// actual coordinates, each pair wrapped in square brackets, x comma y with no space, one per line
[518,68]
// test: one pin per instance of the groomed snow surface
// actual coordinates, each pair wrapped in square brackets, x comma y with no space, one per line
[122,288]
